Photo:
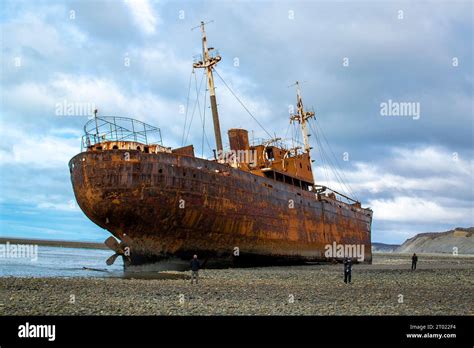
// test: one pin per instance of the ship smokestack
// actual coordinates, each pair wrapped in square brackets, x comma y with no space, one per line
[239,147]
[238,139]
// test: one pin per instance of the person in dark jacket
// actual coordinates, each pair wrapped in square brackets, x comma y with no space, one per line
[414,260]
[347,270]
[195,265]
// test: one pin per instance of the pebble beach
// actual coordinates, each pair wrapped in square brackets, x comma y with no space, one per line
[442,285]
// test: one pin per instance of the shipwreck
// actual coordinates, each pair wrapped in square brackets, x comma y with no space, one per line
[254,203]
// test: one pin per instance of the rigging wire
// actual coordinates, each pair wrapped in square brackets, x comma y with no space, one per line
[337,174]
[241,103]
[329,167]
[204,126]
[322,156]
[287,129]
[327,159]
[299,136]
[341,172]
[203,121]
[204,135]
[338,171]
[290,128]
[195,104]
[187,106]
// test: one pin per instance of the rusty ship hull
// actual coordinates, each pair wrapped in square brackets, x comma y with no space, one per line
[254,204]
[171,206]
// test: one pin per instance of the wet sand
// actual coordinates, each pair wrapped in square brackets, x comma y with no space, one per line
[442,285]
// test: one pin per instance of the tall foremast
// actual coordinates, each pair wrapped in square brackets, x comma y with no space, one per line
[208,61]
[302,117]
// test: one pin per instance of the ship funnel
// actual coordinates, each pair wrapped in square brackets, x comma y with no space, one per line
[238,139]
[239,147]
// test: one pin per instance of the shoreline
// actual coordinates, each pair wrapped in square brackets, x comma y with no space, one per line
[55,243]
[101,246]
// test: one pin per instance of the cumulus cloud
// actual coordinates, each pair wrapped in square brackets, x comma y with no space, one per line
[36,151]
[413,209]
[409,187]
[143,14]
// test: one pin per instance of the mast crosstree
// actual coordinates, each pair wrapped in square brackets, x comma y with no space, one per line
[302,117]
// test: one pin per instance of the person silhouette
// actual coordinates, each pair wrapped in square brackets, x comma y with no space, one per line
[414,260]
[347,270]
[195,265]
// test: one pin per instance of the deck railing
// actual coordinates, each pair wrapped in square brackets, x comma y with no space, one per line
[115,128]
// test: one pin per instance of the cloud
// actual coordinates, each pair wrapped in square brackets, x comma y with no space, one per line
[70,206]
[415,209]
[399,166]
[427,168]
[36,151]
[430,159]
[21,34]
[143,14]
[408,189]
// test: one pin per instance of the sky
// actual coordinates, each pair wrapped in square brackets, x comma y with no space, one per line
[355,61]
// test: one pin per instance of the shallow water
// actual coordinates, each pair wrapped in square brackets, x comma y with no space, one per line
[62,262]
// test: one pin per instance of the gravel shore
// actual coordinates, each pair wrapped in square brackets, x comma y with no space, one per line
[442,285]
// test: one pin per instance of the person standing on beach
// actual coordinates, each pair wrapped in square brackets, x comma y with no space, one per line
[347,270]
[414,260]
[195,269]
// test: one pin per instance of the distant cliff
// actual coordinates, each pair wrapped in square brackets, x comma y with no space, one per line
[440,242]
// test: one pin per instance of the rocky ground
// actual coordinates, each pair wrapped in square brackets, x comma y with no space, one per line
[442,285]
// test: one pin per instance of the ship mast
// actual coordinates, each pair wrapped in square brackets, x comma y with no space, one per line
[301,117]
[207,63]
